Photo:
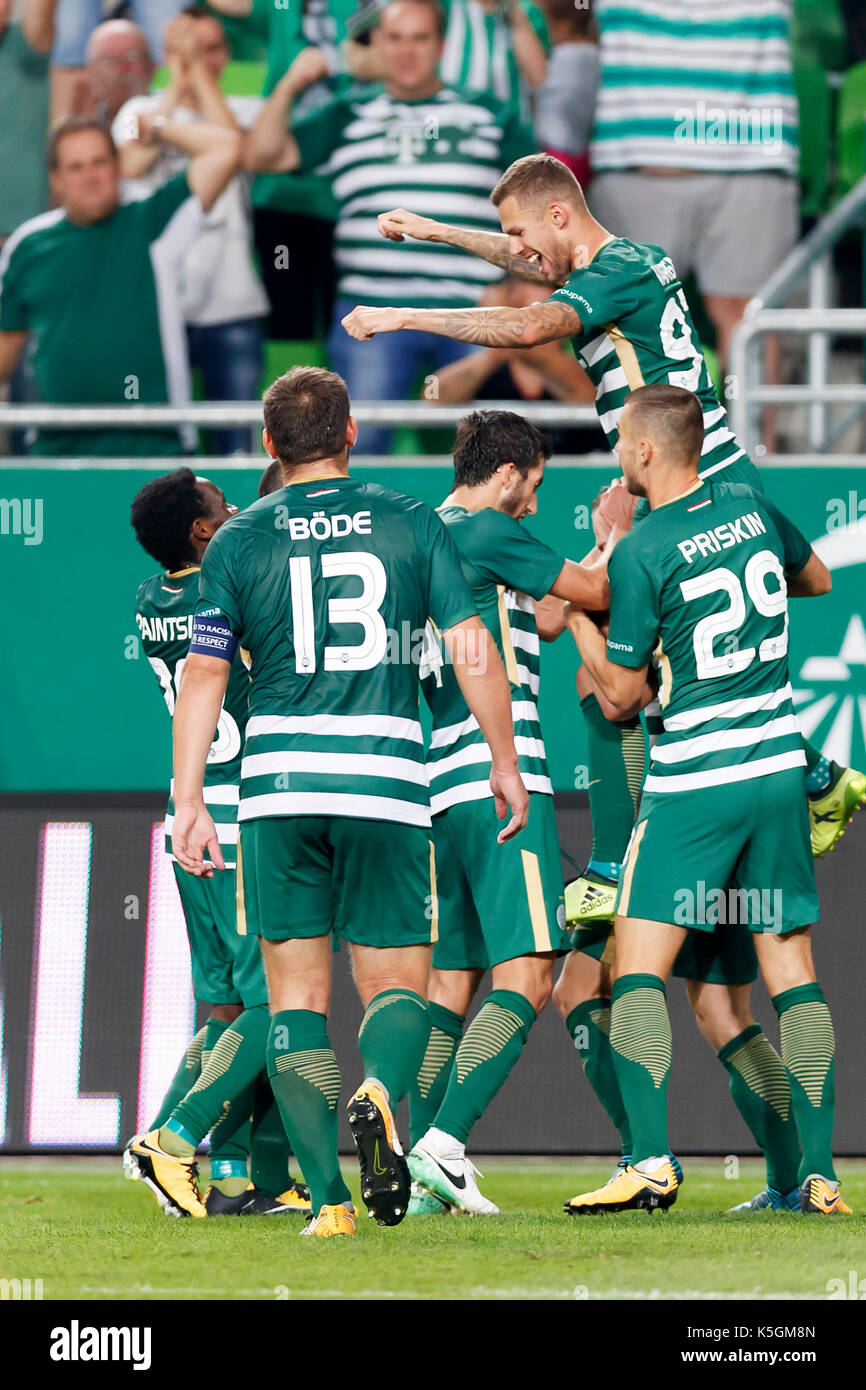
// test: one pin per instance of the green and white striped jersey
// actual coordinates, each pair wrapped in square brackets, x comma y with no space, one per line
[439,157]
[329,586]
[637,331]
[505,568]
[164,608]
[701,584]
[695,84]
[479,52]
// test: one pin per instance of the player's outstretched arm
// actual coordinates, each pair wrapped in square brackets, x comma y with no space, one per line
[196,715]
[623,688]
[484,685]
[489,246]
[503,328]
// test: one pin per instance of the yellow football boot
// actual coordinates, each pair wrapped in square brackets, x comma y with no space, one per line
[172,1180]
[830,812]
[818,1197]
[590,900]
[385,1181]
[629,1190]
[332,1221]
[296,1197]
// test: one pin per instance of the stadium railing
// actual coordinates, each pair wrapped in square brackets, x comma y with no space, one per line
[766,313]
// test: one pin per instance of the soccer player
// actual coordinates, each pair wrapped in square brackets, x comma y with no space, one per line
[500,906]
[175,516]
[624,308]
[722,803]
[322,581]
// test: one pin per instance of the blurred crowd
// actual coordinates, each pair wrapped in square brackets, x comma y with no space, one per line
[181,226]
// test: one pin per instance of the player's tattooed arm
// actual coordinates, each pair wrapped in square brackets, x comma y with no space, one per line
[489,246]
[502,328]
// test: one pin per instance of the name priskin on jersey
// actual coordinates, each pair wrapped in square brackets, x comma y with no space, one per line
[742,528]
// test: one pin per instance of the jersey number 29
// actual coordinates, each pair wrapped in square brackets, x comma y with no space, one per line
[769,604]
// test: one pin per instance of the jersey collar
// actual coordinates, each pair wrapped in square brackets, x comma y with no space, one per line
[181,574]
[679,497]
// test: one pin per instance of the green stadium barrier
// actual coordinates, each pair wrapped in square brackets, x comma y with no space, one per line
[82,711]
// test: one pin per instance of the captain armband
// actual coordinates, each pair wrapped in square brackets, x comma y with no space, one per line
[212,635]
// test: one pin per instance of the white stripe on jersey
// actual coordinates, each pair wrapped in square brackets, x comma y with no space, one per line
[480,753]
[450,733]
[336,726]
[722,776]
[477,791]
[335,764]
[742,737]
[728,709]
[334,804]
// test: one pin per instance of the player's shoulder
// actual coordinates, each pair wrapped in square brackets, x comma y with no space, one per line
[147,589]
[486,536]
[723,492]
[387,501]
[32,234]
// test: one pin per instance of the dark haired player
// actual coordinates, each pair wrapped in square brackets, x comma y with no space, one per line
[175,516]
[500,906]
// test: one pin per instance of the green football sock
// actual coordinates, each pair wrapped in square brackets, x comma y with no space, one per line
[640,1040]
[269,1145]
[392,1039]
[305,1079]
[615,757]
[224,1087]
[489,1048]
[431,1081]
[808,1050]
[760,1090]
[187,1073]
[588,1026]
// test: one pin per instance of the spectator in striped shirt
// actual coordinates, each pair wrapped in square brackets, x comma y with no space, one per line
[414,142]
[497,48]
[695,140]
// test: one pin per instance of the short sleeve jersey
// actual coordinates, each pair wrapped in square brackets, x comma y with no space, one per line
[102,301]
[700,584]
[637,330]
[505,568]
[329,586]
[164,609]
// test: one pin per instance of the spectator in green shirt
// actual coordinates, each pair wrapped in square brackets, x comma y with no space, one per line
[95,281]
[413,142]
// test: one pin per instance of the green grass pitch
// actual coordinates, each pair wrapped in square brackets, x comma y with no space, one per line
[91,1235]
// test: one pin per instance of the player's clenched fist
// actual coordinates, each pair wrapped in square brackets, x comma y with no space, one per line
[362,323]
[399,224]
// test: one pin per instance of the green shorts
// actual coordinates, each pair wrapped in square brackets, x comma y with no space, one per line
[725,956]
[227,966]
[718,855]
[370,881]
[497,901]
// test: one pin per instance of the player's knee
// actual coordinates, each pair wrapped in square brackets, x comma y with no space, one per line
[453,989]
[226,1013]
